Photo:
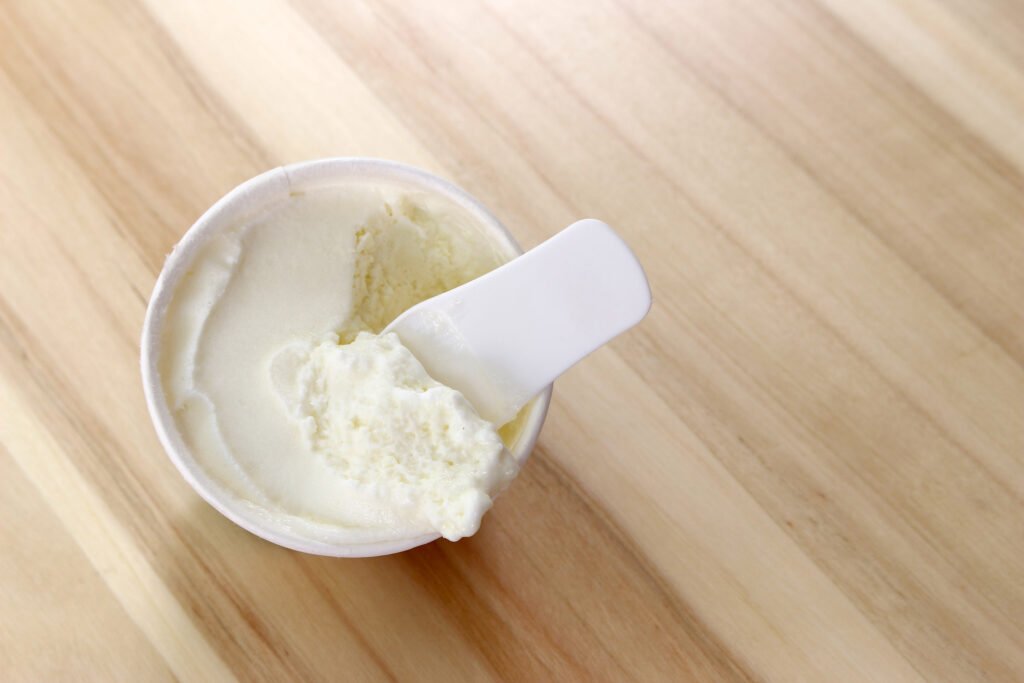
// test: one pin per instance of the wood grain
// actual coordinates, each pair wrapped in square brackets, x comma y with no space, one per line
[806,464]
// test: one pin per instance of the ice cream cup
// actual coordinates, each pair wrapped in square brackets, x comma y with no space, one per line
[240,204]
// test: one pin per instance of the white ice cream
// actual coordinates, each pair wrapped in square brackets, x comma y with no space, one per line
[337,441]
[372,412]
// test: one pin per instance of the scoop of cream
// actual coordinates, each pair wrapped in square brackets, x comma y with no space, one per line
[371,411]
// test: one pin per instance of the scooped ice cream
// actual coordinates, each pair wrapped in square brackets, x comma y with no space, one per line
[285,395]
[372,412]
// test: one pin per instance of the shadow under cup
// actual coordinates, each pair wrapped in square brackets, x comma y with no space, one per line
[243,204]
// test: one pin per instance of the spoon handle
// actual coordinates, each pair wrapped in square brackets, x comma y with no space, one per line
[502,338]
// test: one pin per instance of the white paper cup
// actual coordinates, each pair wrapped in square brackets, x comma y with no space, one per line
[238,206]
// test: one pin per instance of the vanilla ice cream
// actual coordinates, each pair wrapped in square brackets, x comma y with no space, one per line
[286,396]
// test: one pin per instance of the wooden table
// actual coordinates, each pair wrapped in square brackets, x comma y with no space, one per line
[806,464]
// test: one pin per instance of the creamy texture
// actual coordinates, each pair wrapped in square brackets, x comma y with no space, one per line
[262,392]
[370,410]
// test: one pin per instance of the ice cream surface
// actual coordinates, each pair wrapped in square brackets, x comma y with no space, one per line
[287,397]
[371,410]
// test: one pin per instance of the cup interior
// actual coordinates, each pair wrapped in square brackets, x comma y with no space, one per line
[240,205]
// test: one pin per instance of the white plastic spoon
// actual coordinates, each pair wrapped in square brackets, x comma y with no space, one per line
[503,337]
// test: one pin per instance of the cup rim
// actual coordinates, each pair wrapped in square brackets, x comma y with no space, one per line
[240,204]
